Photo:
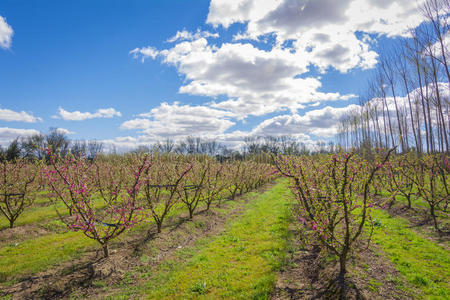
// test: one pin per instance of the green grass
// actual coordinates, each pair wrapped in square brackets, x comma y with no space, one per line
[42,197]
[32,215]
[35,255]
[422,262]
[241,263]
[420,204]
[416,202]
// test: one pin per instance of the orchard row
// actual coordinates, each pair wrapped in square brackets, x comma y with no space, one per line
[336,192]
[105,197]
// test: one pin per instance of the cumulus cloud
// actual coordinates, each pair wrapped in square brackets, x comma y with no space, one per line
[64,131]
[144,53]
[292,18]
[320,122]
[127,143]
[6,33]
[137,123]
[22,116]
[7,135]
[403,103]
[225,12]
[121,144]
[185,35]
[324,30]
[243,36]
[291,15]
[339,50]
[81,116]
[245,79]
[255,81]
[175,120]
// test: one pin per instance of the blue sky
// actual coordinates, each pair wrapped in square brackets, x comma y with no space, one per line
[133,72]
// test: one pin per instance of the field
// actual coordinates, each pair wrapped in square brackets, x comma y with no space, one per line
[177,227]
[225,149]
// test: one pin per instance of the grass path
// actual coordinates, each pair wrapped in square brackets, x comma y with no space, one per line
[44,252]
[36,255]
[422,262]
[240,263]
[39,254]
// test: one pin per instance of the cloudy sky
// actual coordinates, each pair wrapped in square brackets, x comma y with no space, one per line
[133,72]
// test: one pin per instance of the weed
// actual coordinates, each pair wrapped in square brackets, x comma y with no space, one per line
[374,285]
[200,287]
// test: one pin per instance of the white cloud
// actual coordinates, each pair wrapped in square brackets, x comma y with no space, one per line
[226,12]
[233,140]
[175,121]
[127,143]
[185,35]
[292,18]
[81,116]
[436,49]
[321,122]
[323,30]
[119,145]
[6,33]
[415,98]
[22,116]
[7,135]
[244,79]
[144,53]
[255,81]
[392,18]
[340,50]
[291,15]
[243,36]
[136,124]
[64,131]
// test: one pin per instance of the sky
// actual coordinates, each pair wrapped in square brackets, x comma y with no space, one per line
[134,72]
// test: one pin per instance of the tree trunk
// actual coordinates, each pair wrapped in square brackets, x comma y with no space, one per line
[419,77]
[430,121]
[433,215]
[105,250]
[159,226]
[402,143]
[342,272]
[439,109]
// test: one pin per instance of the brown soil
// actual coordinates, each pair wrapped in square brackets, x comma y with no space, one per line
[16,235]
[88,276]
[310,274]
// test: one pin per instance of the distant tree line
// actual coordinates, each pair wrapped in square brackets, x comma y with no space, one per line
[284,144]
[253,145]
[191,145]
[35,146]
[416,67]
